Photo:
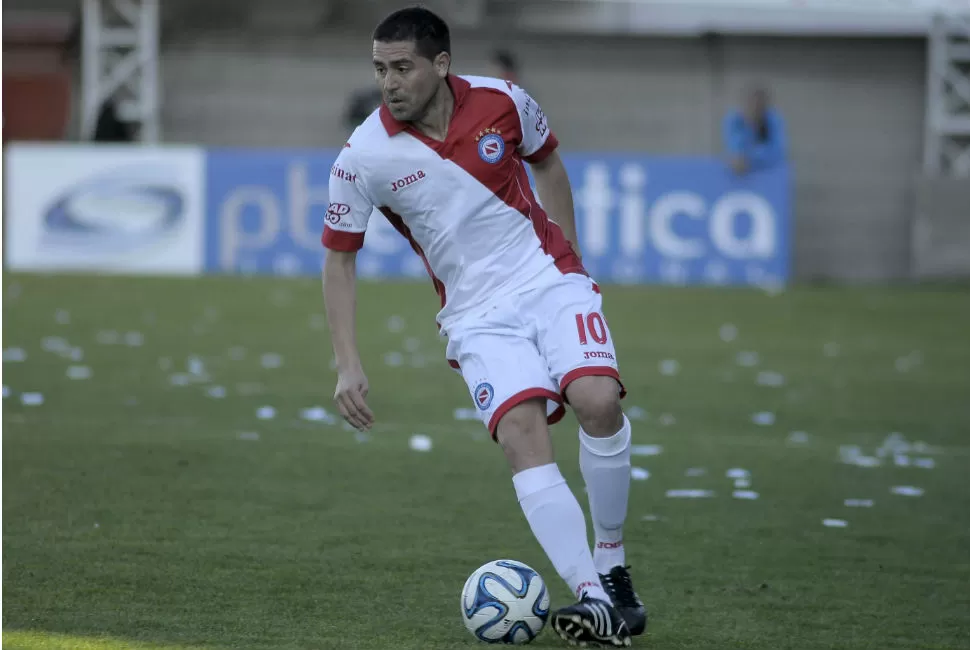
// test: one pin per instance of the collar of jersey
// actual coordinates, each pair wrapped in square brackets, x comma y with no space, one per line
[459,88]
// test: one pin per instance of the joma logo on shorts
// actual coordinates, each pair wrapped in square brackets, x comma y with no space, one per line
[598,355]
[410,179]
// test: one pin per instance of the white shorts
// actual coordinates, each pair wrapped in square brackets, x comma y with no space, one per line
[534,344]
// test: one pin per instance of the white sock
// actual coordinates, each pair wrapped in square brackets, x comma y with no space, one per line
[559,524]
[605,463]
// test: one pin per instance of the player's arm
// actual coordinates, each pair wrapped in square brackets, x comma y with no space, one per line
[343,235]
[552,184]
[538,148]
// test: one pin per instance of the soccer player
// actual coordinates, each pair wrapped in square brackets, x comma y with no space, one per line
[443,158]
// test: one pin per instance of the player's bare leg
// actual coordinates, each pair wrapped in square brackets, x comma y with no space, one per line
[604,459]
[559,525]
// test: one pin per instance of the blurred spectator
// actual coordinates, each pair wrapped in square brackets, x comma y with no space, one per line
[110,127]
[754,136]
[361,104]
[503,65]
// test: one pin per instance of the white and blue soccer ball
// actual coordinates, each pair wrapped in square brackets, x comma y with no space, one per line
[505,601]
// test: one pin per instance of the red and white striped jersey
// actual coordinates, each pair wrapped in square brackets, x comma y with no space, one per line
[464,204]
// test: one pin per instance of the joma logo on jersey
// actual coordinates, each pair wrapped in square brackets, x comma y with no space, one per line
[410,179]
[343,174]
[598,355]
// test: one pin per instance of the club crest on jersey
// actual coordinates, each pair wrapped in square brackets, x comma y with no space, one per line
[491,146]
[483,395]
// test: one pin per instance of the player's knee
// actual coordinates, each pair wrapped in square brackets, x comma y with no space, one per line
[596,402]
[524,435]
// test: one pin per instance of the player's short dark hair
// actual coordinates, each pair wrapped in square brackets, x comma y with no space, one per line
[424,28]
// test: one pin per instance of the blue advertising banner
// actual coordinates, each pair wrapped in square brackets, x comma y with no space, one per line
[641,219]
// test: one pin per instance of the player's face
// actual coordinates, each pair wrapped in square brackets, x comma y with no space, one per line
[408,81]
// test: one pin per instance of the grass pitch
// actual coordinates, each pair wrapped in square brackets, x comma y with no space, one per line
[147,505]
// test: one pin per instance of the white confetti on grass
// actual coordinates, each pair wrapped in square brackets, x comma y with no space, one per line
[6,391]
[798,438]
[266,413]
[14,355]
[689,494]
[412,344]
[31,399]
[62,317]
[859,503]
[669,367]
[835,523]
[636,413]
[318,414]
[742,483]
[78,372]
[108,337]
[737,472]
[695,471]
[770,378]
[728,332]
[910,362]
[667,420]
[907,490]
[745,495]
[646,450]
[179,379]
[747,359]
[134,339]
[196,366]
[921,447]
[361,437]
[396,324]
[465,414]
[639,474]
[924,463]
[216,392]
[271,360]
[394,359]
[420,442]
[763,418]
[55,344]
[852,455]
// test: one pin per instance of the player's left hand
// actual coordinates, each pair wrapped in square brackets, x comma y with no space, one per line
[350,396]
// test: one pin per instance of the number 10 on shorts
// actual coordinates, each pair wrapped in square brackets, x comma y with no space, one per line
[592,326]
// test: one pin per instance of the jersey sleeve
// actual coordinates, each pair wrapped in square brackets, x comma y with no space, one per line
[349,209]
[538,140]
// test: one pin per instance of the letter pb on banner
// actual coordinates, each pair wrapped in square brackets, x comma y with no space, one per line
[640,219]
[115,209]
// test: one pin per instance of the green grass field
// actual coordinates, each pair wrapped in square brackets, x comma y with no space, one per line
[142,513]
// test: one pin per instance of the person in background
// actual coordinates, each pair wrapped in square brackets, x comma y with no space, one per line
[360,105]
[754,136]
[503,65]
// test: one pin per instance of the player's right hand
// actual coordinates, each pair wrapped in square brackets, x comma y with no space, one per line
[350,395]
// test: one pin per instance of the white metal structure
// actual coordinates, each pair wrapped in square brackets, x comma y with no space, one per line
[947,151]
[120,41]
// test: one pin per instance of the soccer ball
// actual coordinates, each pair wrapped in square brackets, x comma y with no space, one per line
[505,601]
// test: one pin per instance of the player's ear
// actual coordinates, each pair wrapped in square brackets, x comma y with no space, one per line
[442,63]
